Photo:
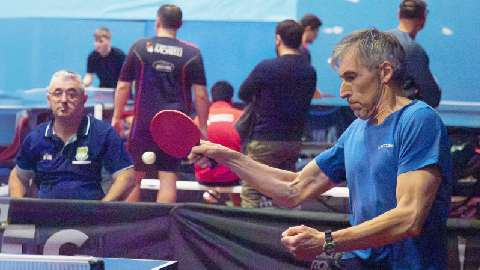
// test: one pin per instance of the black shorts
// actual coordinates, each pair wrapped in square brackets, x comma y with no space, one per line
[141,142]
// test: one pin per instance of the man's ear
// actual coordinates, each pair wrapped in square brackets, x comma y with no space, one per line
[386,71]
[278,39]
[157,23]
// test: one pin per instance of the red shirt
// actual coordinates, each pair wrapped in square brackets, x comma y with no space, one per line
[220,129]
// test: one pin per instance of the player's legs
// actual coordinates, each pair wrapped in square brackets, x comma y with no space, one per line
[163,165]
[134,195]
[168,187]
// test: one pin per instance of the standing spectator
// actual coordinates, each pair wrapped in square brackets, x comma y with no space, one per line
[311,24]
[164,70]
[220,129]
[283,88]
[420,82]
[106,61]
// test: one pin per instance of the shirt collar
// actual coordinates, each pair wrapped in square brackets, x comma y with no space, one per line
[221,104]
[82,130]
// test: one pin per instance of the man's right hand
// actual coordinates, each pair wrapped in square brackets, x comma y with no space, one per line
[201,154]
[119,125]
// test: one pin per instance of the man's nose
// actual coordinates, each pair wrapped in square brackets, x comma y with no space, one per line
[345,90]
[64,97]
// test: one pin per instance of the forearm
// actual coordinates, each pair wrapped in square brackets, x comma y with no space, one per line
[123,183]
[16,187]
[270,181]
[414,200]
[317,94]
[202,105]
[390,227]
[87,81]
[122,94]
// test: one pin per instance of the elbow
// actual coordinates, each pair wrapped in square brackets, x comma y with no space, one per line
[292,198]
[413,224]
[414,230]
[289,202]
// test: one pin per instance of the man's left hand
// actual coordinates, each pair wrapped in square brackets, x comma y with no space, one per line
[304,242]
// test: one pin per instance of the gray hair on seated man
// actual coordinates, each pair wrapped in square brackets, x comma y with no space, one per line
[67,75]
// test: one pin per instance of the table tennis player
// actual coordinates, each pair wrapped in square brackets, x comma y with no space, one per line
[65,156]
[165,70]
[395,159]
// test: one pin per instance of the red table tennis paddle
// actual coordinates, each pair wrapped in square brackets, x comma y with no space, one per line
[174,132]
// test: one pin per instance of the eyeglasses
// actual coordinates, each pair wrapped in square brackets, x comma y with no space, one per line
[72,94]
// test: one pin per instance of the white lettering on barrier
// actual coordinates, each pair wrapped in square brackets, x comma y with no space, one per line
[15,236]
[54,242]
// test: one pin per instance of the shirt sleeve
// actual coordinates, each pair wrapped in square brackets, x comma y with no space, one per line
[90,64]
[251,84]
[332,161]
[127,73]
[421,141]
[25,160]
[196,70]
[116,157]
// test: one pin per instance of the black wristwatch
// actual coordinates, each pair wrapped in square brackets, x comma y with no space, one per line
[329,245]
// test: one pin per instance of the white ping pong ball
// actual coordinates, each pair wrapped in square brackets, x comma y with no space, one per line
[149,157]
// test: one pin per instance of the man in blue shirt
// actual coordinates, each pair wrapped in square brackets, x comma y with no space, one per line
[66,155]
[395,159]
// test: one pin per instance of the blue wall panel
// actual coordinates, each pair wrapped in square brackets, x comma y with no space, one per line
[450,37]
[31,49]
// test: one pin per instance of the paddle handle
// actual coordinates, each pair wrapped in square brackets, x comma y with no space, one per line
[212,162]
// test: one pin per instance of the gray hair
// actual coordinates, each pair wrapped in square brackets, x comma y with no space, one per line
[372,47]
[67,75]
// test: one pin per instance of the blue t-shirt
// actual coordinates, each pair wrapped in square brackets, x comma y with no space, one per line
[73,170]
[371,157]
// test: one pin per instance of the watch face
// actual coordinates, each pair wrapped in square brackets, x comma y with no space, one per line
[329,248]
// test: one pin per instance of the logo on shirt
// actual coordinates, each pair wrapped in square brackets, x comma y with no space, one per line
[164,49]
[82,153]
[149,47]
[387,145]
[163,66]
[47,156]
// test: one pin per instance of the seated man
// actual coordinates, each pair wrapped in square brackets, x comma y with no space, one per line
[221,117]
[66,154]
